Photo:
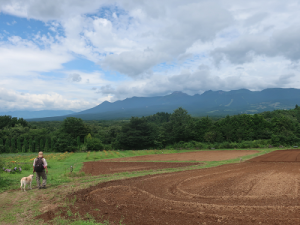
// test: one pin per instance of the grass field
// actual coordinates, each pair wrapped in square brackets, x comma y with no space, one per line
[18,207]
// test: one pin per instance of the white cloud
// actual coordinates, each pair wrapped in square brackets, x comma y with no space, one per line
[171,39]
[282,43]
[21,57]
[257,75]
[75,77]
[48,10]
[41,92]
[156,47]
[12,100]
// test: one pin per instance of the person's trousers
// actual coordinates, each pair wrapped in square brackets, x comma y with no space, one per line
[44,177]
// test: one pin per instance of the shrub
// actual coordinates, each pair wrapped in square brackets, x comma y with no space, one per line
[245,144]
[216,146]
[234,145]
[225,145]
[94,144]
[255,144]
[108,147]
[199,145]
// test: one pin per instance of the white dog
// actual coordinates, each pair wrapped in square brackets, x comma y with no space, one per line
[26,180]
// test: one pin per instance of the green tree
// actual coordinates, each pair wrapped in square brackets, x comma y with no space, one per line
[78,142]
[47,145]
[19,144]
[75,127]
[65,142]
[35,145]
[111,135]
[8,121]
[159,118]
[42,146]
[89,136]
[227,127]
[137,134]
[4,121]
[30,145]
[282,124]
[94,144]
[13,145]
[25,144]
[2,147]
[7,145]
[202,126]
[52,143]
[180,125]
[213,136]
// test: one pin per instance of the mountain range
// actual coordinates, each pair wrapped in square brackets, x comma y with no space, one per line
[37,114]
[210,103]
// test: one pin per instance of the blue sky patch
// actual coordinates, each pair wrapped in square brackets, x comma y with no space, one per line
[22,27]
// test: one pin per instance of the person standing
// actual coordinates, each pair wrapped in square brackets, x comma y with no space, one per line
[39,166]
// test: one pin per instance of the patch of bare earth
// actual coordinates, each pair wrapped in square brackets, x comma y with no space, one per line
[215,155]
[244,193]
[100,167]
[290,155]
[253,192]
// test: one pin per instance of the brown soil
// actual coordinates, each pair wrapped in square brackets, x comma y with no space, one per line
[242,193]
[290,155]
[215,155]
[100,167]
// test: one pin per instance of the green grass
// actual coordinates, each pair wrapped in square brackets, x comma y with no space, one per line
[60,221]
[59,165]
[15,205]
[8,218]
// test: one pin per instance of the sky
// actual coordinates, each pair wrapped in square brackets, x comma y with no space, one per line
[74,54]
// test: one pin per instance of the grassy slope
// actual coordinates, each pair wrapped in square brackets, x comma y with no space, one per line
[18,207]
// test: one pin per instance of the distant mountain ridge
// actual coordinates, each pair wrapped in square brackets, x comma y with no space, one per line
[209,103]
[36,114]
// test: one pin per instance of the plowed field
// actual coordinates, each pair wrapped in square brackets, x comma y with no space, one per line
[214,155]
[242,193]
[291,155]
[97,168]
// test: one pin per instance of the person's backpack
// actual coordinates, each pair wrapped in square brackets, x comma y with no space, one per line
[39,165]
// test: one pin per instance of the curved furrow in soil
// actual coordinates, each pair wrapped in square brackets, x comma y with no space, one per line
[244,193]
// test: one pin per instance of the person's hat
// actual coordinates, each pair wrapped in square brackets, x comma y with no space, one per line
[40,154]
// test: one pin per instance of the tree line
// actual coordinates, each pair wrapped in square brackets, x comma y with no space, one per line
[161,130]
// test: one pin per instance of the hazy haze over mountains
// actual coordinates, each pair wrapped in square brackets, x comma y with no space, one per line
[36,114]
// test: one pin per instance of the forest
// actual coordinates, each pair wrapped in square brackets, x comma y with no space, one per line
[159,131]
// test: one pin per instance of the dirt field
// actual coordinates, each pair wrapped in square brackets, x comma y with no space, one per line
[291,155]
[97,168]
[215,155]
[242,193]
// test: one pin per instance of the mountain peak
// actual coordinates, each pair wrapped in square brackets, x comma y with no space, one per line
[178,93]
